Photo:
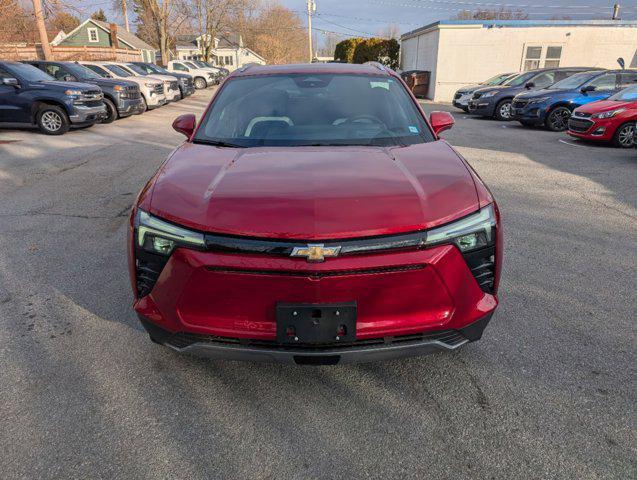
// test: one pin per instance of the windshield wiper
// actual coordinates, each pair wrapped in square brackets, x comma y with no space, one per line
[217,143]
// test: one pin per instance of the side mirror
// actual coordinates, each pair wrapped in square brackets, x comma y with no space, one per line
[185,124]
[529,85]
[11,82]
[588,88]
[441,121]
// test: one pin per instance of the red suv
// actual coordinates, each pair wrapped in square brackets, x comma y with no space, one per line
[611,120]
[314,217]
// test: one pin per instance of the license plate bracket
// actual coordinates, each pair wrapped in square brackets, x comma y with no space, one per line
[316,323]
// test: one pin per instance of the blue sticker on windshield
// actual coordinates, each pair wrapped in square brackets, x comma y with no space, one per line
[413,129]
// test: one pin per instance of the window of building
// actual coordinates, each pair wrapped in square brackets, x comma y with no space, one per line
[92,35]
[532,58]
[228,60]
[537,56]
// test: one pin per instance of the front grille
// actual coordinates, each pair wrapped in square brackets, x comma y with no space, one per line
[580,126]
[317,274]
[520,103]
[159,89]
[449,337]
[133,92]
[482,266]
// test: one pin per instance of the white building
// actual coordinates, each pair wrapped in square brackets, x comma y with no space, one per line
[229,51]
[461,52]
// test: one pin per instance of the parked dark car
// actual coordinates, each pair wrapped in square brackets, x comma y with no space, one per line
[30,96]
[121,97]
[495,102]
[186,82]
[553,106]
[464,94]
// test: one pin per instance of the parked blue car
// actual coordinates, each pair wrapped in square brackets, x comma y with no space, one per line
[552,106]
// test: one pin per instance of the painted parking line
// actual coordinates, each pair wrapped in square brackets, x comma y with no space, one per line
[569,143]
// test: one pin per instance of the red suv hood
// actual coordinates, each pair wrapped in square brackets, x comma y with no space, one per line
[313,192]
[605,105]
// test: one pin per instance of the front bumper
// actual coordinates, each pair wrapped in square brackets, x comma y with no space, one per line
[601,130]
[234,297]
[173,95]
[356,352]
[127,107]
[529,114]
[186,91]
[84,114]
[482,106]
[155,100]
[462,100]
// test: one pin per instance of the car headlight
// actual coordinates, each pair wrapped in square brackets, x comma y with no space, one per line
[469,233]
[160,237]
[490,94]
[538,100]
[118,88]
[74,93]
[609,114]
[150,85]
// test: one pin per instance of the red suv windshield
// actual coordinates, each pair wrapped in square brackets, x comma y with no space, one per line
[313,109]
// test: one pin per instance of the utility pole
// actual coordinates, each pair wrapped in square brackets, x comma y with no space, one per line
[311,8]
[616,8]
[39,19]
[125,13]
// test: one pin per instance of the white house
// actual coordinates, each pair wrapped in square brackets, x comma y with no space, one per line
[228,50]
[461,52]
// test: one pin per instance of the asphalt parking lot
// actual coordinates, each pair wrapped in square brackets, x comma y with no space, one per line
[549,392]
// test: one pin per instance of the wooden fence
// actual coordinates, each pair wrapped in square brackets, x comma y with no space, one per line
[34,52]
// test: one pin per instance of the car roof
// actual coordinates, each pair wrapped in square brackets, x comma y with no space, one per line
[305,68]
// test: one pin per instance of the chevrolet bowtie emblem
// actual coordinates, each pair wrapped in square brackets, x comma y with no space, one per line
[315,253]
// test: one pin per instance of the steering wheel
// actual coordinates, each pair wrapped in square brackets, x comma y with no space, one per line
[365,118]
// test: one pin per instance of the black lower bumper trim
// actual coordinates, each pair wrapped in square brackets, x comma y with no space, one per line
[365,351]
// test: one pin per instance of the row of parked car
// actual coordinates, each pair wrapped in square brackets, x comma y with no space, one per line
[590,103]
[58,95]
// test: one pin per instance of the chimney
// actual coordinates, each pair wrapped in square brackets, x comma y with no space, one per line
[113,34]
[616,12]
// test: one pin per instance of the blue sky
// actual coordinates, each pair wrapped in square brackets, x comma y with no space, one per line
[369,17]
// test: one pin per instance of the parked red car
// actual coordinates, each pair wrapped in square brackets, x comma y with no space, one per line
[314,217]
[611,120]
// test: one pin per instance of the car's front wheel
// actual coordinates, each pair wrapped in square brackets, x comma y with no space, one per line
[557,120]
[200,83]
[52,120]
[503,110]
[111,111]
[624,136]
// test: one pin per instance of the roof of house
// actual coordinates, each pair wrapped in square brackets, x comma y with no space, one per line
[122,35]
[186,41]
[126,36]
[521,24]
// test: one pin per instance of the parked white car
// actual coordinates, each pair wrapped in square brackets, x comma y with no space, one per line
[152,89]
[203,77]
[171,84]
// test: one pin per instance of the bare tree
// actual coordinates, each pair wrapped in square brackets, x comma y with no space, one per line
[214,17]
[157,20]
[490,14]
[390,31]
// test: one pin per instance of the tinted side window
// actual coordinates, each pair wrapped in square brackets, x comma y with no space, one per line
[544,80]
[100,71]
[5,74]
[180,67]
[628,79]
[607,82]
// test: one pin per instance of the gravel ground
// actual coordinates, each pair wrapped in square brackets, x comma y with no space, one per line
[549,392]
